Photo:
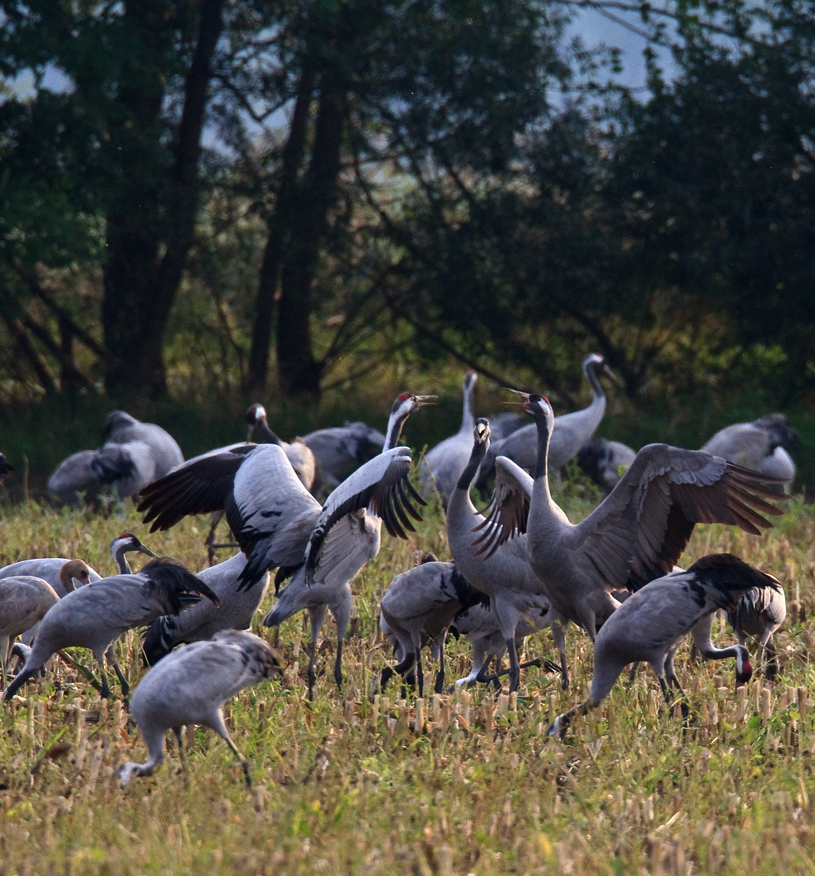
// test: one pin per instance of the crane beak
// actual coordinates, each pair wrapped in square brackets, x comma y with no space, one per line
[518,404]
[143,549]
[425,400]
[249,431]
[611,375]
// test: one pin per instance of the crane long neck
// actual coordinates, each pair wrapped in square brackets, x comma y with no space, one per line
[544,436]
[120,557]
[467,476]
[594,381]
[267,433]
[702,640]
[467,418]
[394,431]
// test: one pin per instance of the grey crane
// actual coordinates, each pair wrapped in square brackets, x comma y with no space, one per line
[603,461]
[122,428]
[635,535]
[61,574]
[417,609]
[114,470]
[95,616]
[24,599]
[347,534]
[204,620]
[571,431]
[762,445]
[759,613]
[647,626]
[65,575]
[444,463]
[297,452]
[190,686]
[481,628]
[506,574]
[340,450]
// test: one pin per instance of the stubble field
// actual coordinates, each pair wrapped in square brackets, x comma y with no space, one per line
[454,784]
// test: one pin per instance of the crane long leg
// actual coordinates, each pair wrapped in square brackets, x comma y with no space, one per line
[514,665]
[110,656]
[559,635]
[438,687]
[219,727]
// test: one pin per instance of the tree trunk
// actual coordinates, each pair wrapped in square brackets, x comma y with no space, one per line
[157,208]
[279,226]
[299,372]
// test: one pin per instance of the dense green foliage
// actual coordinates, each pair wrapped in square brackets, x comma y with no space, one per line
[195,196]
[350,786]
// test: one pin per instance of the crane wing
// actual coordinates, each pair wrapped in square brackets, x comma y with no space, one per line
[382,487]
[508,510]
[640,530]
[198,486]
[270,512]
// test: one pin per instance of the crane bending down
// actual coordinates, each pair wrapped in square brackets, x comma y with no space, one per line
[417,609]
[647,626]
[95,616]
[635,535]
[759,613]
[190,686]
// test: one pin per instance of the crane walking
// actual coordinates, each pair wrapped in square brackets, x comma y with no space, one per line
[190,686]
[647,626]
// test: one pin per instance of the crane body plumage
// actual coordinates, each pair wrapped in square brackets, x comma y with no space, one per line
[444,463]
[416,610]
[190,686]
[94,616]
[204,619]
[24,599]
[647,626]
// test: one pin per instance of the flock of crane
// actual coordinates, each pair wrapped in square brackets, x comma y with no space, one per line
[518,566]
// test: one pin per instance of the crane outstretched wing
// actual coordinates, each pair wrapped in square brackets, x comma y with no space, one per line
[198,486]
[640,530]
[381,486]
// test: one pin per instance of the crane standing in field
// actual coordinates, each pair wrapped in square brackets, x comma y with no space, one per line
[417,609]
[506,574]
[190,686]
[647,626]
[571,431]
[24,599]
[759,613]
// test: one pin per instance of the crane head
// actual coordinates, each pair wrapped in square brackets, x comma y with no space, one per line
[744,669]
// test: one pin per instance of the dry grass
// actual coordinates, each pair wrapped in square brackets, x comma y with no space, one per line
[462,784]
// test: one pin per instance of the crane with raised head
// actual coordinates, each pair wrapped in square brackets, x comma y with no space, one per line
[505,574]
[647,626]
[638,531]
[297,452]
[444,463]
[190,686]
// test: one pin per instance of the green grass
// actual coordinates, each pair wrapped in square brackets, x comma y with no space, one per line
[349,785]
